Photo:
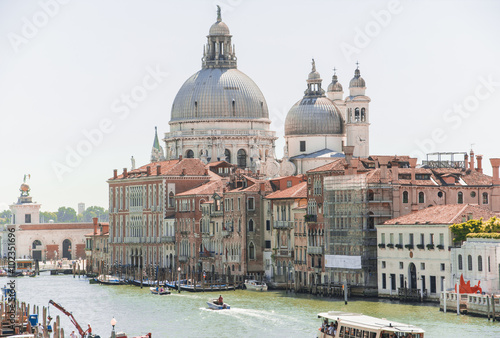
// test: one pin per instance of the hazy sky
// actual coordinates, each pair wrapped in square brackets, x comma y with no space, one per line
[67,67]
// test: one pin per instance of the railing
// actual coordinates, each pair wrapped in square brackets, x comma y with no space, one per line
[283,224]
[183,259]
[310,218]
[284,253]
[167,239]
[234,132]
[315,250]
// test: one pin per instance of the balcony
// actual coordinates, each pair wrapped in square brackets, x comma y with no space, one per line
[183,259]
[311,218]
[167,239]
[284,253]
[207,255]
[283,224]
[185,233]
[315,250]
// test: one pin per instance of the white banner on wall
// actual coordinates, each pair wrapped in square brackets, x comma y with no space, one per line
[342,261]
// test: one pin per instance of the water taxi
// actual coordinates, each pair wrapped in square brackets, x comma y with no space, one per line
[214,305]
[353,325]
[254,285]
[155,290]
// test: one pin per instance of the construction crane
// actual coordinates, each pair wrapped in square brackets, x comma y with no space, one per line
[70,315]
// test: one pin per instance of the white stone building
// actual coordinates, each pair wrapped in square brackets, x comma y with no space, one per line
[414,250]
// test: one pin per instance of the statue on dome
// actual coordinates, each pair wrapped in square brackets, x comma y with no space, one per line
[219,16]
[25,188]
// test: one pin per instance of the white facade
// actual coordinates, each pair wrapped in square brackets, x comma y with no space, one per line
[478,260]
[426,266]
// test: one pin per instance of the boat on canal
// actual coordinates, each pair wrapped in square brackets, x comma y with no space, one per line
[214,305]
[255,285]
[159,291]
[351,325]
[109,280]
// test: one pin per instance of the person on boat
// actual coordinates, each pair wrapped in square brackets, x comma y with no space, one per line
[331,329]
[220,301]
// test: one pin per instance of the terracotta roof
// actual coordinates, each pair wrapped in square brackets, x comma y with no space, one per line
[443,214]
[186,166]
[332,166]
[213,164]
[57,226]
[256,187]
[297,191]
[205,189]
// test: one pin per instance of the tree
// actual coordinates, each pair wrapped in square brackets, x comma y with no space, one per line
[46,216]
[66,214]
[5,217]
[460,230]
[95,211]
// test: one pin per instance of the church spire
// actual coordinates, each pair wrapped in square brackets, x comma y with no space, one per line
[157,151]
[314,83]
[219,52]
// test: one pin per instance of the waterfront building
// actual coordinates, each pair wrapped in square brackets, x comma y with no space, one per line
[96,248]
[287,206]
[415,252]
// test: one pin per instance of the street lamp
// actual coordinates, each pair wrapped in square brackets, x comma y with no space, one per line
[179,279]
[113,323]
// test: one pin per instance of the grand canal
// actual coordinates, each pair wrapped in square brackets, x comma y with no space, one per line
[252,314]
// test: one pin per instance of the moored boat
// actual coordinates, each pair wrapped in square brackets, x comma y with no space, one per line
[159,290]
[109,280]
[255,285]
[343,324]
[214,305]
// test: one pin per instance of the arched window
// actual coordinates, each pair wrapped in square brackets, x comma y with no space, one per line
[36,243]
[460,265]
[251,251]
[370,195]
[363,116]
[242,158]
[227,155]
[356,115]
[405,196]
[250,225]
[479,263]
[189,154]
[171,200]
[421,197]
[485,198]
[460,198]
[469,263]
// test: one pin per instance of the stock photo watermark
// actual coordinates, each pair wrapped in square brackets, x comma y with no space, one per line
[121,107]
[31,26]
[455,116]
[363,36]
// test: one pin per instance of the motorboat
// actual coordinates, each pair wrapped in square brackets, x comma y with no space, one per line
[347,325]
[255,285]
[214,305]
[109,280]
[159,290]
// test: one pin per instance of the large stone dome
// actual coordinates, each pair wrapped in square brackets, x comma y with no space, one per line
[313,115]
[219,93]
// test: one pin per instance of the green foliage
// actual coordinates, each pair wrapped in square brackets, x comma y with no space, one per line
[66,214]
[494,235]
[492,225]
[461,230]
[95,211]
[46,216]
[5,217]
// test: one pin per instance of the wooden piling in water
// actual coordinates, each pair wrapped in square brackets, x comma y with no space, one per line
[493,306]
[488,306]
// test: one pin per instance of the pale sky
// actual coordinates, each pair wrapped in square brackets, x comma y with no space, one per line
[431,69]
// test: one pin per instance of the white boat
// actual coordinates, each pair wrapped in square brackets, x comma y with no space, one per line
[347,325]
[159,290]
[214,305]
[255,285]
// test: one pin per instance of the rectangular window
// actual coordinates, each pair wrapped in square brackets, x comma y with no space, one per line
[401,239]
[423,282]
[411,239]
[383,265]
[268,244]
[27,218]
[393,281]
[302,145]
[382,238]
[288,184]
[401,281]
[442,266]
[391,238]
[384,282]
[422,239]
[431,238]
[268,225]
[441,239]
[422,266]
[433,284]
[251,205]
[239,203]
[401,265]
[442,283]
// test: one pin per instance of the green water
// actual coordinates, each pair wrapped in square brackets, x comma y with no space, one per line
[252,314]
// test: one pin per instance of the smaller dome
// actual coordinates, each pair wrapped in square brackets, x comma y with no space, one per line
[335,86]
[313,116]
[219,28]
[357,80]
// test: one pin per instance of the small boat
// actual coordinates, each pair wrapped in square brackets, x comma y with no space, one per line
[346,324]
[159,291]
[109,280]
[255,285]
[214,305]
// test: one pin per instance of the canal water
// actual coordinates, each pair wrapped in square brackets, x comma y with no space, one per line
[252,314]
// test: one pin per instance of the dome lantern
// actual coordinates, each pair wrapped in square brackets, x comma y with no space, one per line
[218,52]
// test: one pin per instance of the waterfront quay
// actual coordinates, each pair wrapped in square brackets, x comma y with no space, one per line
[252,314]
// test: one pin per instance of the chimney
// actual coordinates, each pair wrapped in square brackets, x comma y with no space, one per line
[383,171]
[471,163]
[479,163]
[395,171]
[206,172]
[95,219]
[348,152]
[413,165]
[495,163]
[183,172]
[158,170]
[263,187]
[466,161]
[115,173]
[125,173]
[148,171]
